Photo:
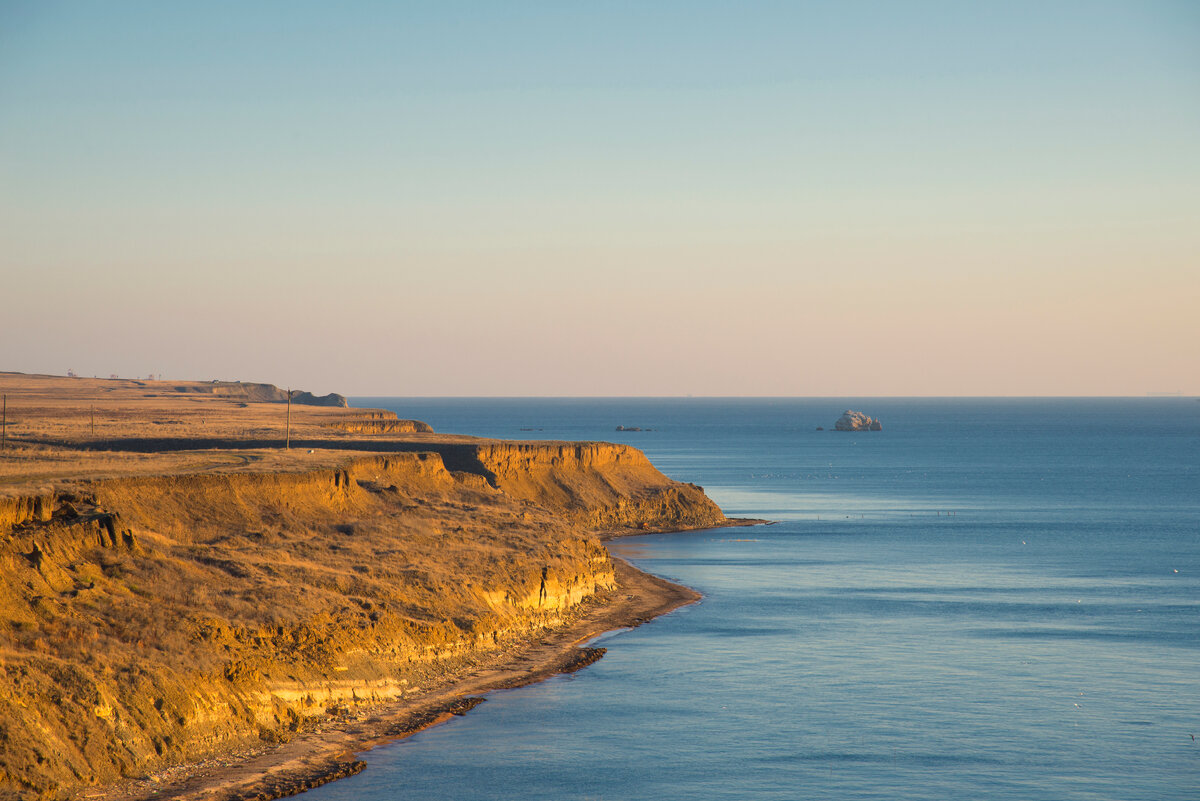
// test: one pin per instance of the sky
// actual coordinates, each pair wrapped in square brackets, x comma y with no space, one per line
[605,199]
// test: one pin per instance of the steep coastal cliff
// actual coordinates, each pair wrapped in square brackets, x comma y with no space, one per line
[152,620]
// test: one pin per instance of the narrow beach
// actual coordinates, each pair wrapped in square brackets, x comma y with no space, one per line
[327,753]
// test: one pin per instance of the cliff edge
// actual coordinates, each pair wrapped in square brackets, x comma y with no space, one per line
[151,620]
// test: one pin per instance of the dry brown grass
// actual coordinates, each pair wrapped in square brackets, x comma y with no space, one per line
[238,602]
[64,429]
[177,583]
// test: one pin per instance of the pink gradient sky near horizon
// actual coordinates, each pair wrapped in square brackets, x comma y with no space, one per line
[926,199]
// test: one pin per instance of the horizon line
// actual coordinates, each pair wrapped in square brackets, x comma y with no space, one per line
[1146,396]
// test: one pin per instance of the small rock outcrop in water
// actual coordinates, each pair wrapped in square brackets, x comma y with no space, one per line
[856,421]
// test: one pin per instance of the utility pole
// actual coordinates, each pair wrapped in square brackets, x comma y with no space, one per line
[4,423]
[287,443]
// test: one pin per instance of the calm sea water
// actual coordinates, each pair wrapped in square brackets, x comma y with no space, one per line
[992,599]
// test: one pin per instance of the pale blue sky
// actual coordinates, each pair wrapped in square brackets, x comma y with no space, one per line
[605,198]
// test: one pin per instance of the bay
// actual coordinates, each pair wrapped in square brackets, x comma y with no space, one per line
[995,598]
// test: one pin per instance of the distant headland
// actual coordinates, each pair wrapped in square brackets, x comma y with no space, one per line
[199,569]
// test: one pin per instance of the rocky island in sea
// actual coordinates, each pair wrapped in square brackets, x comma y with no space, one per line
[856,421]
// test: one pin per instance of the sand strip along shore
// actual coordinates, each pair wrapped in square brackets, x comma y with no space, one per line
[327,753]
[188,599]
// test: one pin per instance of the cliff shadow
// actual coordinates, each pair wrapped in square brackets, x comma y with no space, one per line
[457,457]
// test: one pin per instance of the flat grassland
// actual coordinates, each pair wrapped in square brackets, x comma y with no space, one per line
[61,429]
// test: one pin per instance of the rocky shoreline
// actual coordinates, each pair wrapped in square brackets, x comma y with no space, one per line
[183,598]
[327,754]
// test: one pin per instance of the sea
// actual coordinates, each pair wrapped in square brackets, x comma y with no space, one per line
[988,599]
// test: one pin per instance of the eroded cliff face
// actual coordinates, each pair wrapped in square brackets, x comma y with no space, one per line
[147,621]
[375,426]
[599,485]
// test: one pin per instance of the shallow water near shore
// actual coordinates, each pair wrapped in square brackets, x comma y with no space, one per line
[987,599]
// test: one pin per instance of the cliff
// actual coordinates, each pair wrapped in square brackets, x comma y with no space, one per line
[599,485]
[149,620]
[381,426]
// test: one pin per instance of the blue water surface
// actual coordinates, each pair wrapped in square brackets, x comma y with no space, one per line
[988,599]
